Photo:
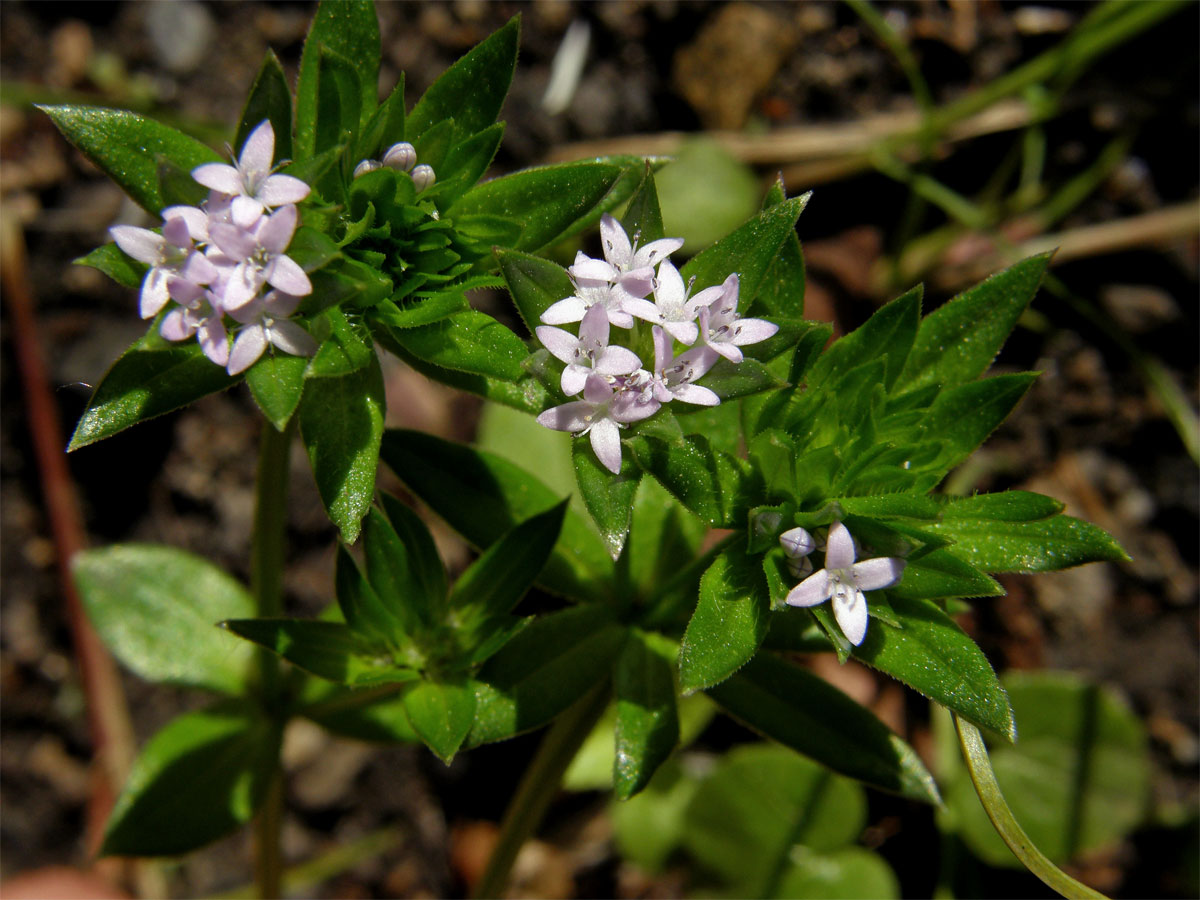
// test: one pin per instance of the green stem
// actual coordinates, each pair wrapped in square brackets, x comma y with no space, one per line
[984,779]
[539,785]
[266,584]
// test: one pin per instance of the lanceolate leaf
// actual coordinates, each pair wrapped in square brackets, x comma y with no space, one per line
[806,713]
[149,601]
[441,712]
[277,383]
[609,497]
[958,342]
[535,284]
[963,416]
[423,557]
[152,377]
[197,780]
[647,714]
[116,265]
[889,333]
[126,147]
[341,420]
[730,621]
[1042,546]
[472,90]
[543,670]
[270,98]
[934,656]
[467,341]
[942,574]
[482,496]
[643,217]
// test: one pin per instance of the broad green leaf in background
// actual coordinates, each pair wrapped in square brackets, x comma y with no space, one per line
[850,873]
[543,670]
[700,217]
[126,147]
[1077,780]
[761,802]
[349,28]
[535,284]
[934,656]
[441,713]
[148,601]
[269,98]
[666,538]
[649,826]
[277,383]
[804,712]
[198,779]
[341,421]
[647,715]
[608,497]
[730,621]
[472,90]
[482,496]
[547,201]
[957,342]
[152,377]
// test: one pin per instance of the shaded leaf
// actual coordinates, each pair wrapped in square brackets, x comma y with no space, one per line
[647,716]
[441,713]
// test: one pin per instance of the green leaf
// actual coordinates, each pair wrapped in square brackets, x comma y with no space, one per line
[761,802]
[441,712]
[467,341]
[543,670]
[152,377]
[339,97]
[421,310]
[749,251]
[270,98]
[941,574]
[846,874]
[385,126]
[277,383]
[465,164]
[806,713]
[374,714]
[730,381]
[482,496]
[327,649]
[710,483]
[649,826]
[730,621]
[398,575]
[547,201]
[110,260]
[1078,780]
[963,416]
[472,90]
[198,779]
[423,557]
[1044,545]
[362,608]
[609,497]
[535,284]
[349,28]
[782,292]
[643,216]
[149,601]
[956,343]
[347,349]
[888,334]
[495,583]
[647,717]
[1003,506]
[935,657]
[126,147]
[341,421]
[666,539]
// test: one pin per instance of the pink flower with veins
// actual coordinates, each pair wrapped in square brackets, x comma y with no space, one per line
[255,257]
[843,580]
[251,180]
[587,353]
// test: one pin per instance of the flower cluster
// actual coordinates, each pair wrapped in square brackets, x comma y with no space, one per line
[613,291]
[842,580]
[403,158]
[227,257]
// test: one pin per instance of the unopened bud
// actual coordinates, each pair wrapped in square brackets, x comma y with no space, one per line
[367,165]
[402,156]
[423,177]
[797,543]
[800,568]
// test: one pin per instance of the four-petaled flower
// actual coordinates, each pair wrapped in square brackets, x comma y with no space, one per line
[256,257]
[265,322]
[590,292]
[723,331]
[843,580]
[600,413]
[171,258]
[251,181]
[673,378]
[671,307]
[625,265]
[587,353]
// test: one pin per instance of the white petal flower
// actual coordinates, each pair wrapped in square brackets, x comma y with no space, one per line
[171,256]
[258,255]
[250,181]
[587,353]
[590,292]
[602,412]
[632,264]
[673,379]
[843,580]
[265,322]
[202,319]
[723,331]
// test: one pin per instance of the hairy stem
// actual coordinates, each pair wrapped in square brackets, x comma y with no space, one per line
[984,779]
[538,786]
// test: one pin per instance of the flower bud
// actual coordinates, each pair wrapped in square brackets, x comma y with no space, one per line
[402,156]
[423,177]
[797,543]
[367,165]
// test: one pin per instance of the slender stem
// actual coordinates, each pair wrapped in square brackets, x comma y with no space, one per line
[984,779]
[538,786]
[266,583]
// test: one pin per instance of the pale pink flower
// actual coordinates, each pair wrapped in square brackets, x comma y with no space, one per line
[251,180]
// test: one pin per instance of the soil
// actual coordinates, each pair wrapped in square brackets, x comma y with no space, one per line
[1090,432]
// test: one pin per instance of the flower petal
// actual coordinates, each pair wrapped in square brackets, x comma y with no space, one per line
[276,232]
[155,293]
[140,243]
[291,338]
[617,249]
[287,275]
[176,325]
[655,251]
[246,211]
[259,150]
[569,309]
[811,591]
[574,379]
[278,190]
[561,344]
[574,416]
[606,444]
[589,269]
[850,610]
[875,574]
[696,394]
[247,348]
[839,553]
[751,331]
[219,177]
[214,340]
[617,361]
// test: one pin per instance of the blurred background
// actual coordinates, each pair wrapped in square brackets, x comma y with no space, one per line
[942,141]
